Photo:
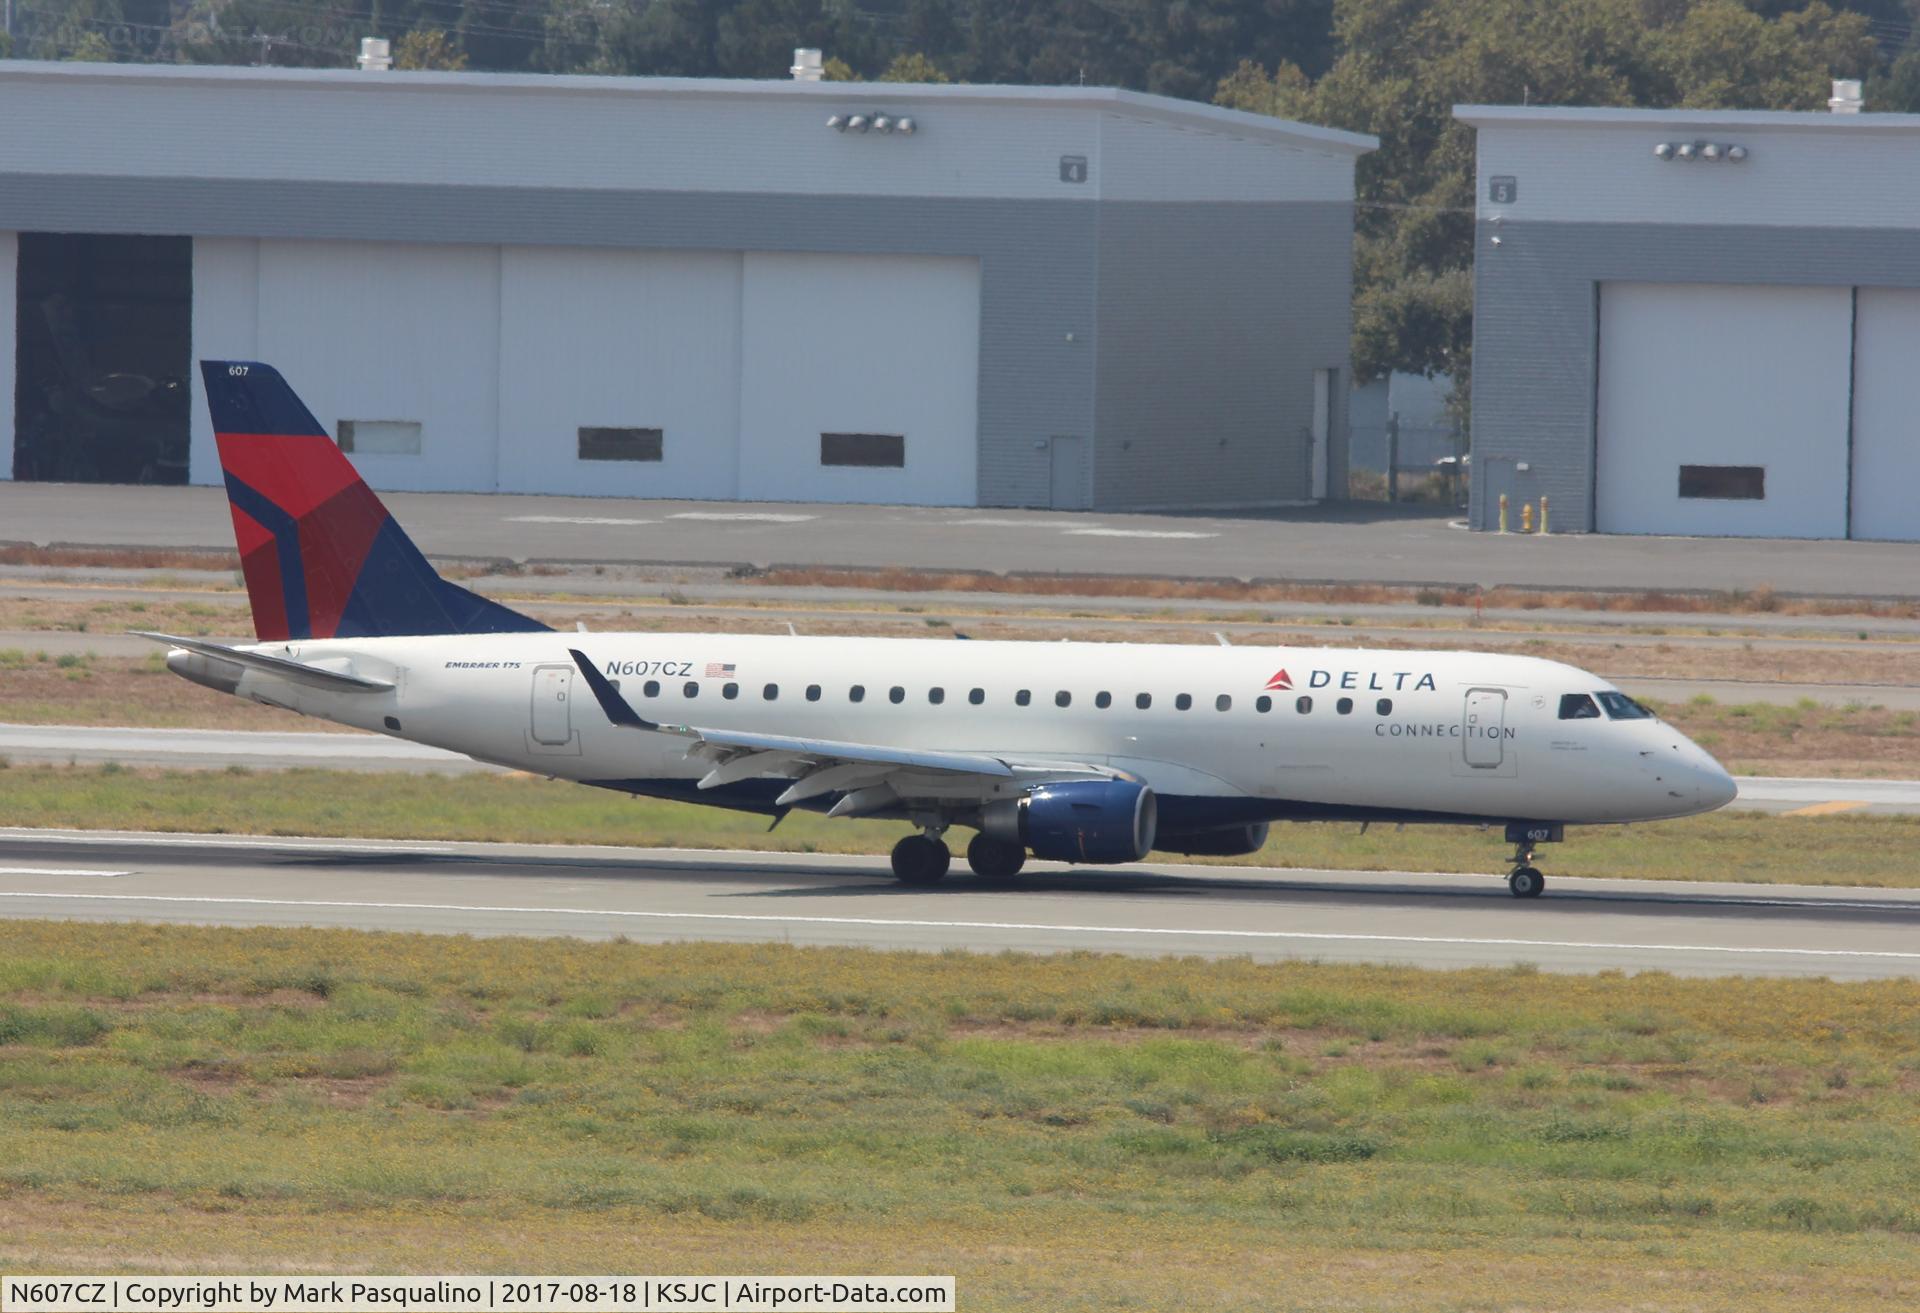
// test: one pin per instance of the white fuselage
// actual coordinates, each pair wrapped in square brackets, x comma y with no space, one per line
[1224,733]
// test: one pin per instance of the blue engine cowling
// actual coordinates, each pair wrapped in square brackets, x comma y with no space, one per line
[1089,821]
[1235,841]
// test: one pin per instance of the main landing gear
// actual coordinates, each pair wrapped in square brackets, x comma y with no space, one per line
[920,859]
[994,858]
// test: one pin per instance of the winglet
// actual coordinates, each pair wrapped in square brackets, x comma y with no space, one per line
[618,709]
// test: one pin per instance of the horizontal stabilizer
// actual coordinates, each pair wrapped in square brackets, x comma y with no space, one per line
[297,672]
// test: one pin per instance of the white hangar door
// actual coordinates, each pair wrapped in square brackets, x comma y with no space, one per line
[1886,415]
[1723,410]
[860,379]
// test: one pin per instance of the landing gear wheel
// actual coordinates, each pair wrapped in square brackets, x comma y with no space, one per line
[920,860]
[1526,882]
[995,858]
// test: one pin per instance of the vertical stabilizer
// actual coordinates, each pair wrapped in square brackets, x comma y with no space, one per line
[321,555]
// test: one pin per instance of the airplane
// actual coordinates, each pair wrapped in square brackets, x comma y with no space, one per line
[1090,753]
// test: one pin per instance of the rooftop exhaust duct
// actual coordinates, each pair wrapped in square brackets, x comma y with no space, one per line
[806,66]
[376,54]
[1847,97]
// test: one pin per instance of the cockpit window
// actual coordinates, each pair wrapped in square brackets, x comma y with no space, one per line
[1578,706]
[1621,707]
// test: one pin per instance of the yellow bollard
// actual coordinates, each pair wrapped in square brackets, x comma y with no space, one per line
[1526,517]
[1503,512]
[1543,516]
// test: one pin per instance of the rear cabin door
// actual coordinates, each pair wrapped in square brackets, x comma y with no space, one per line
[552,699]
[1483,730]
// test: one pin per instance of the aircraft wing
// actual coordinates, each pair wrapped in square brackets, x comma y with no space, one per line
[298,672]
[872,777]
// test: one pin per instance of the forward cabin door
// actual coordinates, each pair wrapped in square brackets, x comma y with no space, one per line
[552,706]
[1484,729]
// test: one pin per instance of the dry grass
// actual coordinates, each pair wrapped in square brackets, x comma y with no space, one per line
[119,558]
[76,689]
[1762,600]
[1276,1136]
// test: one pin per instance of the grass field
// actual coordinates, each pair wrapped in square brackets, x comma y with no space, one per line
[1072,1132]
[1828,850]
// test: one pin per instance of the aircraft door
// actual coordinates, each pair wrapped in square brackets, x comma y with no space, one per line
[1483,730]
[552,705]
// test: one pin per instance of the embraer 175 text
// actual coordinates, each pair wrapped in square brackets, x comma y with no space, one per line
[1075,752]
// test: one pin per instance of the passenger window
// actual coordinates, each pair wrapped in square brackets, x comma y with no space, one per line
[1303,705]
[1182,703]
[770,692]
[1143,700]
[813,692]
[1384,707]
[896,694]
[1223,703]
[936,696]
[1263,704]
[729,691]
[1020,699]
[1062,699]
[651,688]
[857,693]
[1578,706]
[692,689]
[1103,699]
[1344,706]
[977,696]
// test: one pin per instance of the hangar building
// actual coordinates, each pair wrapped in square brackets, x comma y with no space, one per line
[1701,323]
[793,289]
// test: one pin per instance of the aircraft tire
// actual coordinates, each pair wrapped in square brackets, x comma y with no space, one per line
[920,860]
[995,859]
[1526,882]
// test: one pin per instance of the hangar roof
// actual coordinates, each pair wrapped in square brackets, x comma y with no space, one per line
[1507,116]
[1139,104]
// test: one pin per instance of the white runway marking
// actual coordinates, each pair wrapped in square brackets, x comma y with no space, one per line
[979,523]
[573,519]
[765,517]
[905,923]
[59,870]
[1138,533]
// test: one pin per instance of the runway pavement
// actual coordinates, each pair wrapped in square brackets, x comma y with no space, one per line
[664,895]
[209,749]
[1350,541]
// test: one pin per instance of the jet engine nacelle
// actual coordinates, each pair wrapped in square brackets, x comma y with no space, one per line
[1079,821]
[1235,841]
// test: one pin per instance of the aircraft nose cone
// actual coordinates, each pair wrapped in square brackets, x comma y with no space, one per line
[1715,787]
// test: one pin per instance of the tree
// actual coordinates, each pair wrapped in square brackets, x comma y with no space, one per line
[912,68]
[1403,66]
[428,48]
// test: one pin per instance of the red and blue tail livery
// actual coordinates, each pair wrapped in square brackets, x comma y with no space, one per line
[321,556]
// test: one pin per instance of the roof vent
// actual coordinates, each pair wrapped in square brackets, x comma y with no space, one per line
[1847,97]
[376,54]
[806,66]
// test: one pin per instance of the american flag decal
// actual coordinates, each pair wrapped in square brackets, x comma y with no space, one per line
[719,670]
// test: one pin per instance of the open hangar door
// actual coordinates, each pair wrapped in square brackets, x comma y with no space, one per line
[1723,410]
[1886,415]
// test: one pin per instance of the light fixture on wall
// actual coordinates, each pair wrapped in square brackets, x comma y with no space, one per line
[838,122]
[886,125]
[1713,152]
[1663,151]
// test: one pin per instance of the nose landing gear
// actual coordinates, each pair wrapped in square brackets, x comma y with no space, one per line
[1525,881]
